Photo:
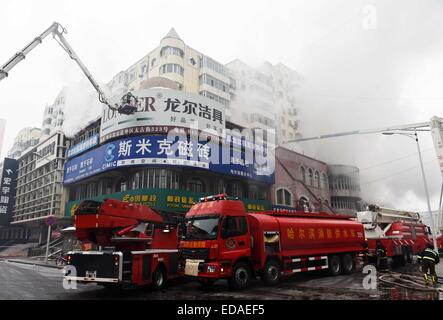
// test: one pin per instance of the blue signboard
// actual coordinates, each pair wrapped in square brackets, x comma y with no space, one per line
[82,146]
[8,185]
[164,150]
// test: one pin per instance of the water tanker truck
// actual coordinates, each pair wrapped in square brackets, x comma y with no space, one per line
[223,241]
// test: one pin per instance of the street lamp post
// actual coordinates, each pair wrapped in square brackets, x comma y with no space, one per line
[425,184]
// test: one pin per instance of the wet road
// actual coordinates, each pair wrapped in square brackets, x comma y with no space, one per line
[20,281]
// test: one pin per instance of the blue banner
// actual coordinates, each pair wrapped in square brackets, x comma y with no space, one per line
[82,146]
[164,150]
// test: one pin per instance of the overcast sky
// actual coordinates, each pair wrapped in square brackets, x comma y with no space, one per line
[355,76]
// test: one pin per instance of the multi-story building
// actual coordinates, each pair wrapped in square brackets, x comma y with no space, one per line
[53,115]
[187,69]
[300,181]
[265,97]
[25,139]
[39,192]
[344,182]
[286,83]
[252,101]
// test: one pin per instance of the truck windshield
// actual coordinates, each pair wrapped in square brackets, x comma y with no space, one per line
[202,228]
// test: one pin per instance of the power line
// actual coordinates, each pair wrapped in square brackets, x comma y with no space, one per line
[388,162]
[395,174]
[421,99]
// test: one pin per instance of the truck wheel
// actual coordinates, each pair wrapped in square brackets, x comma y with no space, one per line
[334,265]
[271,273]
[347,264]
[409,259]
[159,278]
[404,259]
[241,276]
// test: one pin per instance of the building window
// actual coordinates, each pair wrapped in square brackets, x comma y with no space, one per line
[284,197]
[304,202]
[303,174]
[323,181]
[171,50]
[235,189]
[310,177]
[153,62]
[196,185]
[215,97]
[317,179]
[213,82]
[91,190]
[122,185]
[207,62]
[219,187]
[171,68]
[155,178]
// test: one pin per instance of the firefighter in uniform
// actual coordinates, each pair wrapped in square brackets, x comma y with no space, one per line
[428,258]
[382,257]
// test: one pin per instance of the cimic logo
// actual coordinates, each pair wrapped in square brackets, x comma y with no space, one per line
[109,153]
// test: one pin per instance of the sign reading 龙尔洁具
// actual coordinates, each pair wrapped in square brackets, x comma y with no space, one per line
[159,110]
[166,150]
[164,199]
[7,190]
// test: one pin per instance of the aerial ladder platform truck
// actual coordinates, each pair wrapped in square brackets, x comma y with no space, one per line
[136,245]
[401,233]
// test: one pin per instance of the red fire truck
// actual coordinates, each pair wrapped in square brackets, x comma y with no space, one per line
[223,241]
[401,232]
[138,246]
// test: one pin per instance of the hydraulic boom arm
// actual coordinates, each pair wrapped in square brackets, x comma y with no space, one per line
[57,32]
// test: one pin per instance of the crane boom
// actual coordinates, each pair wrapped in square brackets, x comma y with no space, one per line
[57,32]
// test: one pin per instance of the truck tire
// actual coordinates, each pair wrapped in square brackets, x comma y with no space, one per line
[404,259]
[347,264]
[409,255]
[159,278]
[334,265]
[241,276]
[271,273]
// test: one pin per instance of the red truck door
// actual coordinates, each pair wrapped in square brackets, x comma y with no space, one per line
[234,238]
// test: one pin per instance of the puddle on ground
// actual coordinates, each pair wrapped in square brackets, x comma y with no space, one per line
[405,294]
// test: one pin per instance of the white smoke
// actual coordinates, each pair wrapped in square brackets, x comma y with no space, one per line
[363,79]
[82,107]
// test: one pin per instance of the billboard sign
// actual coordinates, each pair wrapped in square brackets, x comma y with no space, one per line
[82,146]
[7,190]
[159,110]
[164,150]
[164,199]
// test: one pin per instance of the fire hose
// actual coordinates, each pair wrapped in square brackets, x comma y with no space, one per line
[408,281]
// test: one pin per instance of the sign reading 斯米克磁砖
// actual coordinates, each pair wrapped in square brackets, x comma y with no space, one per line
[7,190]
[159,110]
[170,151]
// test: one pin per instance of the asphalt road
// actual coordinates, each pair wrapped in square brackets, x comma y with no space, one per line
[20,281]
